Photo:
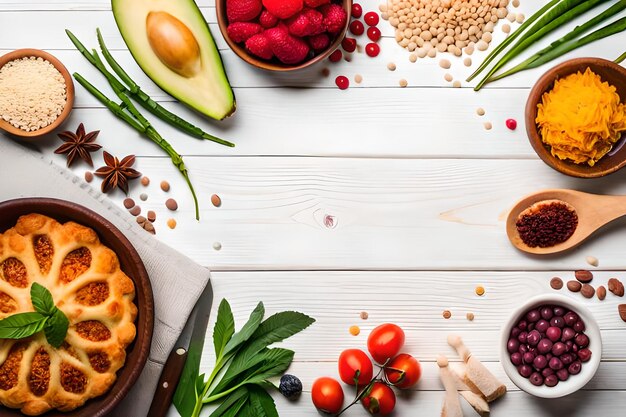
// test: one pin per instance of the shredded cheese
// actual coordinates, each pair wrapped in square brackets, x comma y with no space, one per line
[581,118]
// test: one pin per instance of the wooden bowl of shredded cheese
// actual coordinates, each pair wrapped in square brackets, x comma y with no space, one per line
[36,93]
[576,117]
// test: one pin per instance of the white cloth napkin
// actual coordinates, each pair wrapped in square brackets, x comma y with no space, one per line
[25,173]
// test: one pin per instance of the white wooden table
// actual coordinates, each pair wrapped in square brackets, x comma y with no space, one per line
[417,188]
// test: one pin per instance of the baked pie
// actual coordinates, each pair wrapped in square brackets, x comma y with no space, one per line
[87,284]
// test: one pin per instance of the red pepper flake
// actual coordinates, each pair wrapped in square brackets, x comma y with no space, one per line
[547,223]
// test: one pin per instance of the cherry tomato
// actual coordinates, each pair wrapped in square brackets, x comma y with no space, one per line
[384,342]
[327,395]
[380,400]
[353,361]
[403,371]
[371,18]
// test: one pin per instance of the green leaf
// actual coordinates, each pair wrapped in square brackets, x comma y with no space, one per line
[276,362]
[232,404]
[21,325]
[42,299]
[200,383]
[56,328]
[224,328]
[189,388]
[247,330]
[262,403]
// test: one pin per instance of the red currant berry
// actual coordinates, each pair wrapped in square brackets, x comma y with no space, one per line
[357,10]
[357,28]
[371,18]
[336,56]
[342,82]
[373,33]
[348,44]
[372,49]
[511,124]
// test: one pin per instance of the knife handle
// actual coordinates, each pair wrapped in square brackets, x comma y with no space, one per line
[167,383]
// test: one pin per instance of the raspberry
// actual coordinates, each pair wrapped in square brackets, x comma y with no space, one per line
[315,3]
[241,31]
[305,23]
[267,20]
[283,9]
[319,42]
[242,10]
[335,18]
[259,45]
[288,49]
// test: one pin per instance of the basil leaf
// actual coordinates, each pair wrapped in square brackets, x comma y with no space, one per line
[275,329]
[56,328]
[224,327]
[42,299]
[21,325]
[262,403]
[232,404]
[247,330]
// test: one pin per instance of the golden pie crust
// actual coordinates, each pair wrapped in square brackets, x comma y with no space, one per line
[87,284]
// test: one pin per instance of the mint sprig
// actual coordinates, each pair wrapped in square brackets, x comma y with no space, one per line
[46,317]
[244,363]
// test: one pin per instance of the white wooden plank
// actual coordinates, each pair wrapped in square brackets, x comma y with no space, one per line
[388,213]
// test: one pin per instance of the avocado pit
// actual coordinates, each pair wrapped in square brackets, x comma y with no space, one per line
[173,43]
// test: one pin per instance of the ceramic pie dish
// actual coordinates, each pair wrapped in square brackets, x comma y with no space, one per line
[130,269]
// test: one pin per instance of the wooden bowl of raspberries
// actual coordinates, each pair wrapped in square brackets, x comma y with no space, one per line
[283,35]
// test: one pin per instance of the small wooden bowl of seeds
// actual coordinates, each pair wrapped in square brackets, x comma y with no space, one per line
[36,93]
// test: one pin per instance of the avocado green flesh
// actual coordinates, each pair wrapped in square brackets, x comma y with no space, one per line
[208,91]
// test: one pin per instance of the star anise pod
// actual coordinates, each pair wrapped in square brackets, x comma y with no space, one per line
[116,173]
[78,144]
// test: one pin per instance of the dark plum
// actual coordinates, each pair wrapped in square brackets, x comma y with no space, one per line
[551,380]
[584,354]
[542,325]
[522,337]
[557,322]
[523,349]
[540,362]
[525,370]
[558,348]
[516,358]
[547,372]
[553,333]
[512,346]
[559,311]
[570,318]
[515,331]
[528,358]
[546,313]
[544,346]
[567,334]
[533,315]
[579,326]
[522,325]
[582,340]
[536,379]
[575,367]
[567,359]
[556,364]
[562,374]
[533,338]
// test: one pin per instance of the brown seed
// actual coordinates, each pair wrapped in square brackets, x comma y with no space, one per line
[364,315]
[143,196]
[587,291]
[129,203]
[574,286]
[135,211]
[447,314]
[151,216]
[145,181]
[556,283]
[601,292]
[616,287]
[171,223]
[165,186]
[141,220]
[149,227]
[216,200]
[622,311]
[470,316]
[88,176]
[583,275]
[171,204]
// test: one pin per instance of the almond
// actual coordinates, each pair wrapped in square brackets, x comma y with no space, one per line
[622,311]
[601,292]
[616,287]
[587,291]
[574,286]
[583,275]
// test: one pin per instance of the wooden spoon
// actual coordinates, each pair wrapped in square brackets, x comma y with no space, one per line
[593,210]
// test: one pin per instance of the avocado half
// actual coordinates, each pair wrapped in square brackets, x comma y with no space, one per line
[172,43]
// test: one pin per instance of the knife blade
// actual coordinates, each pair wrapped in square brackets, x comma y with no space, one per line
[191,338]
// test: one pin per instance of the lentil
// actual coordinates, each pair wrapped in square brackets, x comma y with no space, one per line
[145,181]
[506,28]
[88,176]
[445,63]
[129,203]
[135,211]
[487,125]
[470,316]
[171,223]
[151,216]
[32,93]
[403,83]
[480,111]
[547,223]
[446,314]
[171,204]
[355,330]
[480,290]
[364,315]
[456,84]
[358,78]
[143,196]
[467,62]
[165,186]
[448,77]
[391,66]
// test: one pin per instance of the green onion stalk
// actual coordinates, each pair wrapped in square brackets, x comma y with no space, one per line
[620,58]
[563,12]
[133,90]
[139,123]
[569,42]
